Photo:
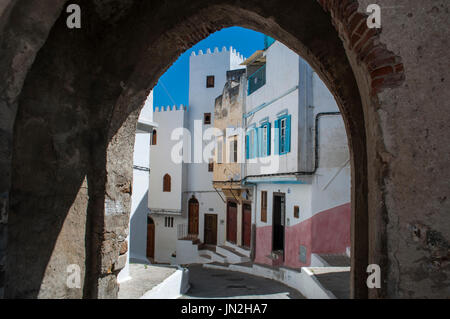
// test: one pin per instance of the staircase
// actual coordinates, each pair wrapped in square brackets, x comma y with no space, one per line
[191,251]
[211,255]
[227,254]
[330,260]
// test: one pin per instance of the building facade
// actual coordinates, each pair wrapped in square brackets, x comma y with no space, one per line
[258,163]
[296,174]
[230,156]
[191,209]
[297,160]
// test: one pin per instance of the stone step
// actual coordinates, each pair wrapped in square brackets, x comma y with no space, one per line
[335,260]
[246,267]
[242,250]
[216,265]
[233,256]
[214,255]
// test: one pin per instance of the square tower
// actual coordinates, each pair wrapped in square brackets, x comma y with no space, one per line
[207,78]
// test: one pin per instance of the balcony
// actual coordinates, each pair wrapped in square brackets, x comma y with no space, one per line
[256,80]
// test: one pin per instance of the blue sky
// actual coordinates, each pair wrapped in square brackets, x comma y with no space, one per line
[176,79]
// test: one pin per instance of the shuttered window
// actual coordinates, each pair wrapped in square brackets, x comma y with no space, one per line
[210,81]
[264,206]
[233,150]
[219,151]
[283,135]
[264,140]
[168,222]
[251,143]
[167,181]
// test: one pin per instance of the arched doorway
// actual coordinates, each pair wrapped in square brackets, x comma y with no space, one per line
[232,221]
[93,181]
[150,239]
[193,217]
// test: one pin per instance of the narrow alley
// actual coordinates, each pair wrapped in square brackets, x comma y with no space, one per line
[222,284]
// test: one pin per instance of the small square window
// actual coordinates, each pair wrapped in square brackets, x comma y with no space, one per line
[168,222]
[207,118]
[296,212]
[154,137]
[210,81]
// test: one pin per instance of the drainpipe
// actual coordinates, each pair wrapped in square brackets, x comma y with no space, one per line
[316,152]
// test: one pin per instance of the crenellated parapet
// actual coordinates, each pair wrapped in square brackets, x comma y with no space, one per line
[230,50]
[169,108]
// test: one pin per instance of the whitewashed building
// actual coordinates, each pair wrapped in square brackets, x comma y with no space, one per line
[288,201]
[167,183]
[184,207]
[297,161]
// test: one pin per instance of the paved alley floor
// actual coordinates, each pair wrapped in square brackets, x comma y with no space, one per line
[222,284]
[143,279]
[334,279]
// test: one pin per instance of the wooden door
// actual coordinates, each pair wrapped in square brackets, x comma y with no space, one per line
[193,217]
[150,240]
[210,229]
[246,225]
[231,222]
[278,217]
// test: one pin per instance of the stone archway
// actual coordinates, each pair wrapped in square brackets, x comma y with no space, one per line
[77,94]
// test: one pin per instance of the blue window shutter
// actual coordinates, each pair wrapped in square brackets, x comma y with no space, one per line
[260,131]
[247,147]
[277,138]
[255,142]
[288,134]
[268,139]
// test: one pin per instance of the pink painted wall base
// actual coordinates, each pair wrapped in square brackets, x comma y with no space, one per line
[327,232]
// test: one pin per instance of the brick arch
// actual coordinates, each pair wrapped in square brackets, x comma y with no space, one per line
[384,67]
[115,75]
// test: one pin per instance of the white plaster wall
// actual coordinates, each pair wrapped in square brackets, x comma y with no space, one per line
[162,163]
[172,287]
[201,100]
[332,182]
[296,195]
[323,100]
[282,74]
[165,237]
[147,109]
[282,78]
[209,203]
[187,253]
[139,199]
[137,235]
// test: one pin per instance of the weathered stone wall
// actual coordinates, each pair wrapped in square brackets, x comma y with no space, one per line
[24,27]
[412,121]
[66,168]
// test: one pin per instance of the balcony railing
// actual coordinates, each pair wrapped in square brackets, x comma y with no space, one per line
[183,233]
[256,80]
